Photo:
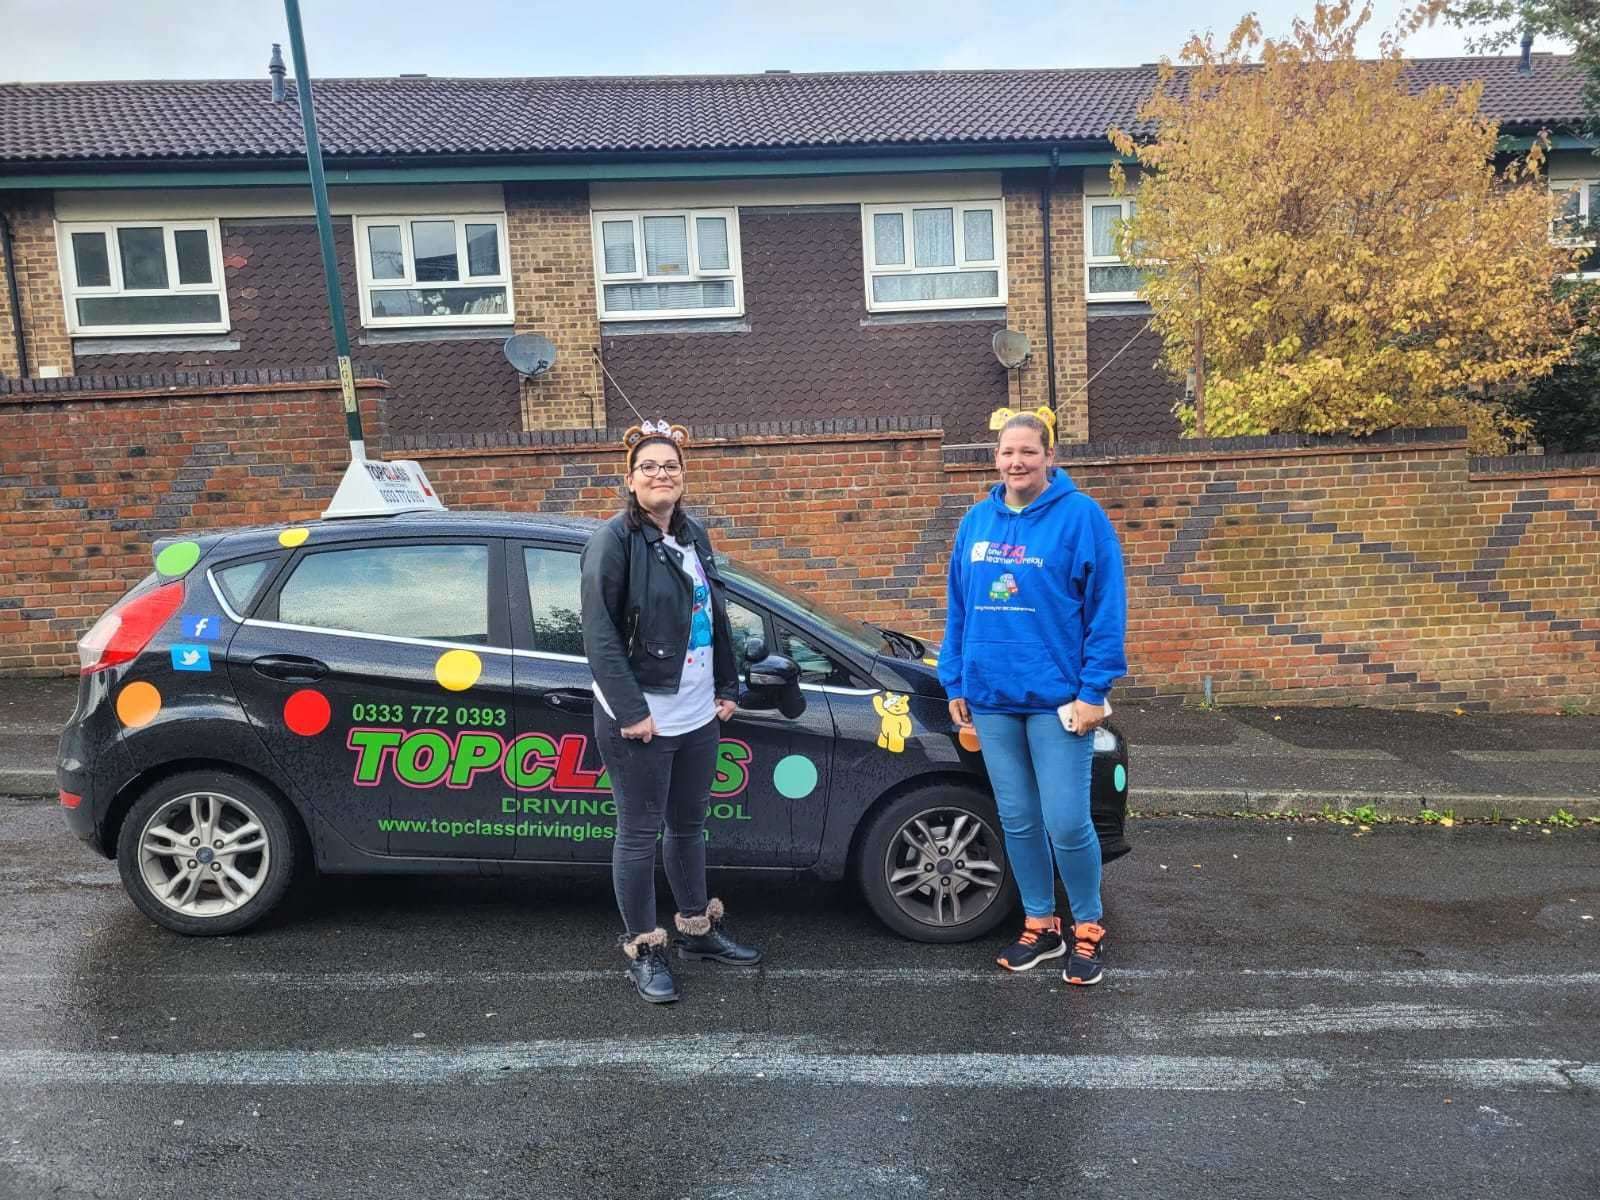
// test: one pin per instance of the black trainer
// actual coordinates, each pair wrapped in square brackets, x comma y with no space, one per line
[703,937]
[1088,963]
[647,967]
[1033,947]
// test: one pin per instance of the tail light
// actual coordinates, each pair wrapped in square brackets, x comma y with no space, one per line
[127,627]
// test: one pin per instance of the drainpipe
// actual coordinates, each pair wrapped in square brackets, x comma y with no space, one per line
[1049,289]
[11,291]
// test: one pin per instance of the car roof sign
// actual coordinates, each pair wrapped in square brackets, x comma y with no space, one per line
[378,489]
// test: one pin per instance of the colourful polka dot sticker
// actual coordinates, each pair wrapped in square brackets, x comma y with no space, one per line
[930,662]
[307,712]
[795,776]
[138,703]
[290,538]
[457,670]
[1120,777]
[968,738]
[178,559]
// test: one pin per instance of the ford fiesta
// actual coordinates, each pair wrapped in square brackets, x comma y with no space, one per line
[409,694]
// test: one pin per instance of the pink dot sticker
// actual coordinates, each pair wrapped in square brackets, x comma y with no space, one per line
[307,712]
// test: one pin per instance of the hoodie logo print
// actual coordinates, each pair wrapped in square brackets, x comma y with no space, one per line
[1004,588]
[1001,552]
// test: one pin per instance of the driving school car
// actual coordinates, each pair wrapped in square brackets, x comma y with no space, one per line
[408,693]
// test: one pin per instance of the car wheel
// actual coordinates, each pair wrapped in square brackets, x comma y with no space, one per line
[207,852]
[932,865]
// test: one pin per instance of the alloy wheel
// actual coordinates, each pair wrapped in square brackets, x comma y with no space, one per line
[944,866]
[204,854]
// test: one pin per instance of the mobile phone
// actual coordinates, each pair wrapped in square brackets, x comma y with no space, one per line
[1065,713]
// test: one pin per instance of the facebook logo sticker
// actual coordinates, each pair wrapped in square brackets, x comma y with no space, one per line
[191,658]
[206,628]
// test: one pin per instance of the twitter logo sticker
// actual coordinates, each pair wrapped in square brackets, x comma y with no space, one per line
[191,658]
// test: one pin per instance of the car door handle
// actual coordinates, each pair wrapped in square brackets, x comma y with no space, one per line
[290,668]
[572,700]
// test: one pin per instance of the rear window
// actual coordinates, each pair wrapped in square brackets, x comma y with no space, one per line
[435,592]
[240,583]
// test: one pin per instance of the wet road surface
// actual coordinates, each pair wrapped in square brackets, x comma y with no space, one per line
[1293,1010]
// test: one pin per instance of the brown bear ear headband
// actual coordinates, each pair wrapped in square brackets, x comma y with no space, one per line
[676,434]
[1044,413]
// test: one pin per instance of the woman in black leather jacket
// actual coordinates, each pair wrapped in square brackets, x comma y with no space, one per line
[656,633]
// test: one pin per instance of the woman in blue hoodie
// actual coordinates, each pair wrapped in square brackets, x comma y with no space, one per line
[1032,644]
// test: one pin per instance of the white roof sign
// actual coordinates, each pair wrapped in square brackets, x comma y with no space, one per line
[378,489]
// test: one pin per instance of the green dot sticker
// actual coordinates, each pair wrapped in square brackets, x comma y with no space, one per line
[795,777]
[178,558]
[1120,777]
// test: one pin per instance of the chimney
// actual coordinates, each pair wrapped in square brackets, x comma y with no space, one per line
[275,69]
[1526,65]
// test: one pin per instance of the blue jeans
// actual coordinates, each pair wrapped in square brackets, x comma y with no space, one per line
[1040,774]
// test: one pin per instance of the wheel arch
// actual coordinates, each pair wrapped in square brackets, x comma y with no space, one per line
[904,787]
[129,793]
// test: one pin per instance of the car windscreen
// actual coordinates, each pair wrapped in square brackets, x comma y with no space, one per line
[864,638]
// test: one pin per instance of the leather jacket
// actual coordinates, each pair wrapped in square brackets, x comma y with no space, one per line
[637,608]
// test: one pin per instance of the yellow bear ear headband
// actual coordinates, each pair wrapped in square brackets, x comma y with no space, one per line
[678,435]
[1044,414]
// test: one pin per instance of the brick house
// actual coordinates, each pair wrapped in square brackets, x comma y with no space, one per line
[732,248]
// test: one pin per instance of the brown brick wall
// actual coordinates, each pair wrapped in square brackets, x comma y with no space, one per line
[44,317]
[87,483]
[552,268]
[806,353]
[1030,386]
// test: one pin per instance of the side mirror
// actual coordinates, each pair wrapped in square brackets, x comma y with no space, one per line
[774,671]
[775,683]
[755,649]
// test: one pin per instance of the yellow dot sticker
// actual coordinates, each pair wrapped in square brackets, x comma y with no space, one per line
[293,537]
[138,704]
[457,670]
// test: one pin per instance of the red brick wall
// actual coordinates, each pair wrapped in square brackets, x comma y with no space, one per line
[87,484]
[1283,568]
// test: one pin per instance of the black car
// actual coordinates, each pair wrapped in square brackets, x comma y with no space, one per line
[409,694]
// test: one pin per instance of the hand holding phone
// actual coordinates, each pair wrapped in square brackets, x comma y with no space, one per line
[1069,720]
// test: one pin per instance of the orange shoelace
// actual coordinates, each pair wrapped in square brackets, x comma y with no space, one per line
[1030,933]
[1086,938]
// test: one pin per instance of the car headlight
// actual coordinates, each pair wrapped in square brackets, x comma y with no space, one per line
[1105,742]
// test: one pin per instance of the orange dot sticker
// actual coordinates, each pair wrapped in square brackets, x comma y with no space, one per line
[969,739]
[291,538]
[457,670]
[307,712]
[138,704]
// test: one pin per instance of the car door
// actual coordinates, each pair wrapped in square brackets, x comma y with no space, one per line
[556,789]
[378,673]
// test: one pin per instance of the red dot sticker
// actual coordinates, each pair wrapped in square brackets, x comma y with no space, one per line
[307,712]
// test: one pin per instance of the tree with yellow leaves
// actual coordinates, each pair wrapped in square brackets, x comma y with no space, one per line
[1330,251]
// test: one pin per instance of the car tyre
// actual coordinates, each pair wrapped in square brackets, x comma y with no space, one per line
[251,853]
[902,847]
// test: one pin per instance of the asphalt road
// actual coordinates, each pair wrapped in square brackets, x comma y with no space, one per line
[1295,1011]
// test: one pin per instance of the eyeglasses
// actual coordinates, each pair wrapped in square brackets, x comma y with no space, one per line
[650,468]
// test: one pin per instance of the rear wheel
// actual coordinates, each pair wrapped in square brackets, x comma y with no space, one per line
[932,865]
[207,852]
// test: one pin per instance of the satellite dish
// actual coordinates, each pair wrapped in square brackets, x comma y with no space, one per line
[1010,347]
[532,354]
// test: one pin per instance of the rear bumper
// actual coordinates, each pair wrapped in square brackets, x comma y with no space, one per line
[93,764]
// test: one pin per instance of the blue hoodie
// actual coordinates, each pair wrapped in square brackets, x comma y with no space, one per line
[1037,607]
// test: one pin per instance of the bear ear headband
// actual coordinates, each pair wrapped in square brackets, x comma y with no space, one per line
[1045,414]
[676,434]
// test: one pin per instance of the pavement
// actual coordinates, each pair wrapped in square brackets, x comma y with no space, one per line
[1291,1009]
[1188,759]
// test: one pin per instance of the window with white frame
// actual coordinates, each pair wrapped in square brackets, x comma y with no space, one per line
[433,270]
[1110,276]
[668,263]
[129,277]
[934,255]
[1573,223]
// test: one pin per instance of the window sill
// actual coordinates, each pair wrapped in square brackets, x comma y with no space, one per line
[89,344]
[434,333]
[924,316]
[658,325]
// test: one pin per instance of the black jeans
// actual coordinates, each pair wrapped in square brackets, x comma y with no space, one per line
[666,780]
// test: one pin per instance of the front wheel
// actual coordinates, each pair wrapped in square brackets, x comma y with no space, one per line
[207,852]
[932,865]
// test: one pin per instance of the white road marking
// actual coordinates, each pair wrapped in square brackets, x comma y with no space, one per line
[1312,1020]
[785,1060]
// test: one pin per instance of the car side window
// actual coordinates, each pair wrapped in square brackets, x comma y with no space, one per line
[816,665]
[436,592]
[746,623]
[553,599]
[240,583]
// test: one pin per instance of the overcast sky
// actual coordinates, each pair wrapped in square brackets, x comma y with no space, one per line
[184,39]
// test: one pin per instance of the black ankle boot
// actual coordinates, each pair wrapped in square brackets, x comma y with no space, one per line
[647,966]
[703,937]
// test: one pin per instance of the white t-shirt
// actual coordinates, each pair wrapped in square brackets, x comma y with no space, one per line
[695,701]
